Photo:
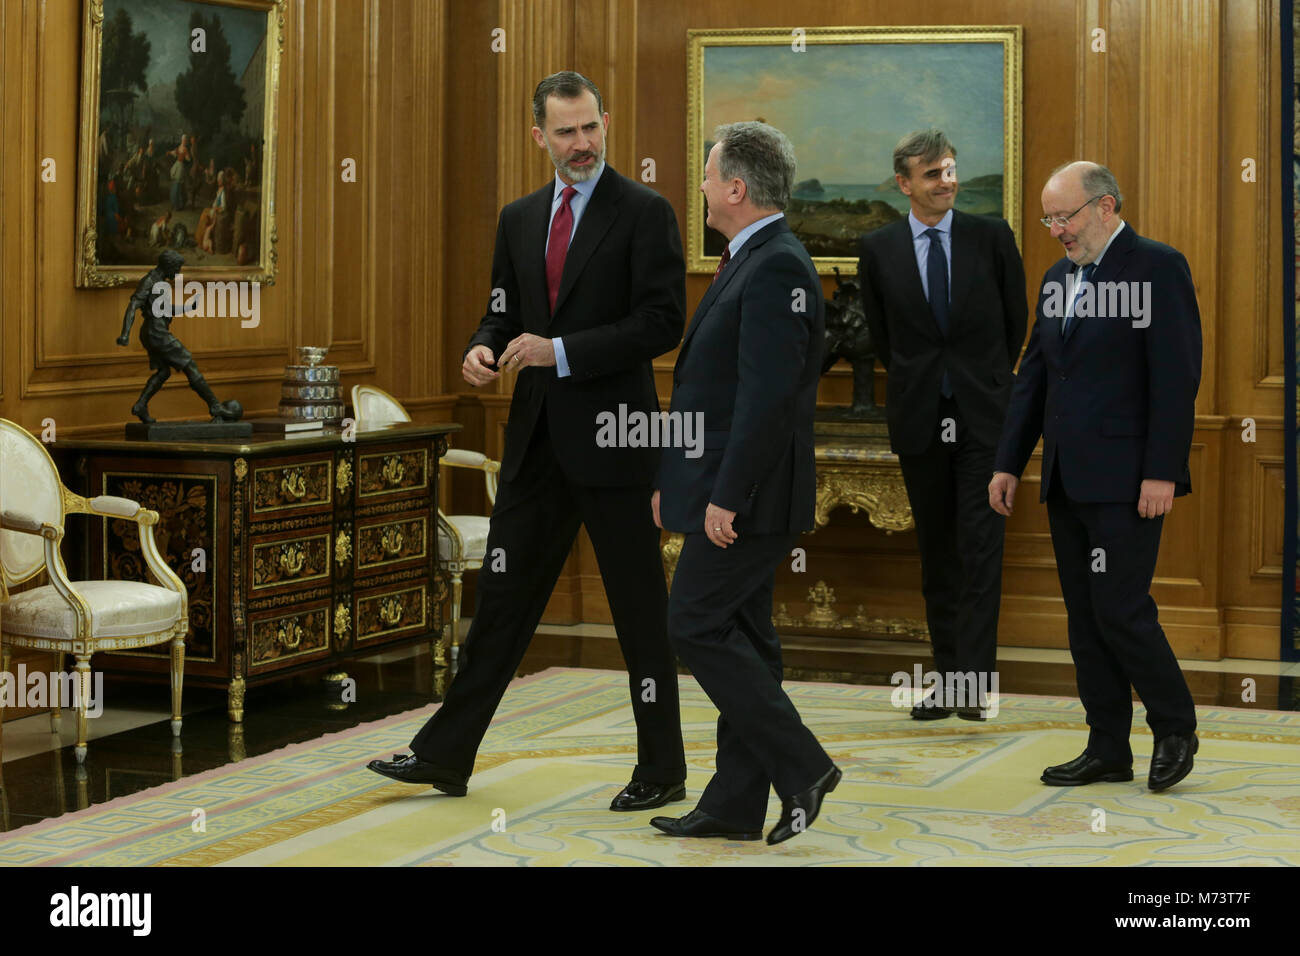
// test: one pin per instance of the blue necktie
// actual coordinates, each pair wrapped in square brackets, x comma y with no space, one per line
[936,274]
[1084,274]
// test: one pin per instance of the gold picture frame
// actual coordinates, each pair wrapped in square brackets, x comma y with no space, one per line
[118,238]
[729,81]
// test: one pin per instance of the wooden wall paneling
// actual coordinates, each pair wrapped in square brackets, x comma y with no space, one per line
[1250,354]
[356,274]
[1178,110]
[426,260]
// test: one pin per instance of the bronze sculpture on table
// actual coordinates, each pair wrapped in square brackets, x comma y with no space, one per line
[849,337]
[165,350]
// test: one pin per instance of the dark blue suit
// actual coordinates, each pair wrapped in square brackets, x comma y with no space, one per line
[750,363]
[1114,404]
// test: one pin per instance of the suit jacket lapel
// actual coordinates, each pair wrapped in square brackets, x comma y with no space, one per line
[536,224]
[963,262]
[601,211]
[733,266]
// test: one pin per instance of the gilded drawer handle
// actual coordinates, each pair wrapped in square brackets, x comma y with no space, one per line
[391,541]
[390,610]
[289,636]
[293,484]
[292,558]
[394,470]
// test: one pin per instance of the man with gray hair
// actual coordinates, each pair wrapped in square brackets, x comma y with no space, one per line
[749,363]
[944,296]
[1109,381]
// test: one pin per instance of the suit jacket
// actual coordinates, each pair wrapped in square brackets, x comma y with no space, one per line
[750,363]
[986,327]
[1113,403]
[622,301]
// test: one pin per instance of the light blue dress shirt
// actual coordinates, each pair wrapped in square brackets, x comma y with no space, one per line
[740,238]
[921,245]
[577,205]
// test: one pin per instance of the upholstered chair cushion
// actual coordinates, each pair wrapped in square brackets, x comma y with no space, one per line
[473,530]
[118,609]
[110,504]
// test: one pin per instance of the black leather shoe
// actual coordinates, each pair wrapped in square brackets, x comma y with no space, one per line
[929,709]
[1085,769]
[798,812]
[1171,760]
[411,769]
[972,713]
[697,823]
[639,795]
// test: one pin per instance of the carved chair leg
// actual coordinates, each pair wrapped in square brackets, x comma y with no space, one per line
[457,585]
[178,673]
[56,704]
[83,697]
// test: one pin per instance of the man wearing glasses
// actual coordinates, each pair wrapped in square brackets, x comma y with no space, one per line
[1109,381]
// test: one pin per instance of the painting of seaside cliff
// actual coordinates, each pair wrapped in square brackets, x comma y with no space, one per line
[845,97]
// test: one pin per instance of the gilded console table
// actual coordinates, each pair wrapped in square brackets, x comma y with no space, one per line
[855,471]
[298,552]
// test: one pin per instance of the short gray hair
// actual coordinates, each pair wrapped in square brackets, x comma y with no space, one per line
[929,144]
[762,156]
[1096,179]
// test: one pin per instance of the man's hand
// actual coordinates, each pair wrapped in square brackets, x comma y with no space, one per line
[1156,498]
[477,367]
[528,349]
[717,525]
[654,509]
[124,339]
[1002,492]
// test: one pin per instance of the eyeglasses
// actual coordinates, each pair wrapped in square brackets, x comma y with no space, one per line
[1063,221]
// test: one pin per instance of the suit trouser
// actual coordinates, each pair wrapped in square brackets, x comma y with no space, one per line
[1115,634]
[960,540]
[720,619]
[534,523]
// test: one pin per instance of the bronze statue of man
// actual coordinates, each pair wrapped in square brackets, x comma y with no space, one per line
[165,350]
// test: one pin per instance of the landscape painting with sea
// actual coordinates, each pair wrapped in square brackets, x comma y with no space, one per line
[844,106]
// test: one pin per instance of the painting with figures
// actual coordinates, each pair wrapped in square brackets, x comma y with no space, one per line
[178,137]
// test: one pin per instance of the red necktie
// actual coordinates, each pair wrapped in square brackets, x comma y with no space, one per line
[722,263]
[558,246]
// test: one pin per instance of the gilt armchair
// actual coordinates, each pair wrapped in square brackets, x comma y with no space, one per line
[77,617]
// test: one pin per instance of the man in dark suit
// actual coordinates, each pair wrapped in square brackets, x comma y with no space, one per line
[1109,381]
[588,287]
[747,371]
[944,296]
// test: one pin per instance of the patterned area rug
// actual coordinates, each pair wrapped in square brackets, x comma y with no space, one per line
[944,793]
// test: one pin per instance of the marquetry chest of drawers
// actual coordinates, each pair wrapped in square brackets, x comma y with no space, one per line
[298,552]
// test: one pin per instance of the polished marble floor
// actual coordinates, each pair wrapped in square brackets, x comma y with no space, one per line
[131,747]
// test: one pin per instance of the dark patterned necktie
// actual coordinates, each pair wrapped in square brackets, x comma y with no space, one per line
[722,263]
[936,274]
